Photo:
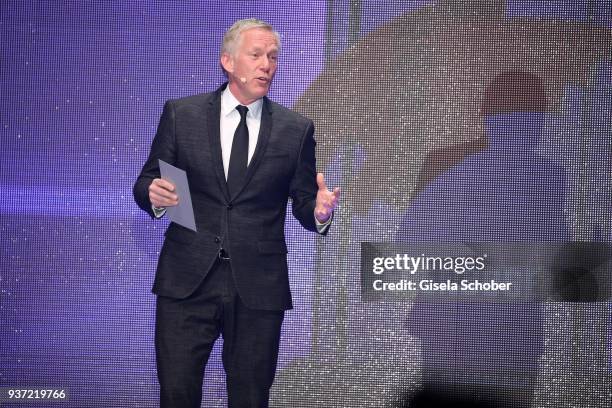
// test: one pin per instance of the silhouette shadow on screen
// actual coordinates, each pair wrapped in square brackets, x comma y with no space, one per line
[504,193]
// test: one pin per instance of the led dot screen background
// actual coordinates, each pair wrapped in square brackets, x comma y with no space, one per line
[410,123]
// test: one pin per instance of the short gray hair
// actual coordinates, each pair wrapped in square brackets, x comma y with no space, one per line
[232,35]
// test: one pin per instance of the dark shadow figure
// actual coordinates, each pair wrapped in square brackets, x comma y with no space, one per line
[505,193]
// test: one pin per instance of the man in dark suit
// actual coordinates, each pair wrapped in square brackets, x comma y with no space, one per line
[244,156]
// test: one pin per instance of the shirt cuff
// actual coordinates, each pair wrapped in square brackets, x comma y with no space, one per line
[323,226]
[158,212]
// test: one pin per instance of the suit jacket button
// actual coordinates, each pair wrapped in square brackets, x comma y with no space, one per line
[217,240]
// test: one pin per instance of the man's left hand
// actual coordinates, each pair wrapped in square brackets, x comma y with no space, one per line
[327,200]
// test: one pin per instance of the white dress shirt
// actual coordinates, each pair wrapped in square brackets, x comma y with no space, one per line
[230,118]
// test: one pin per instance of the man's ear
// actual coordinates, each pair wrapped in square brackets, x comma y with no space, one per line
[227,62]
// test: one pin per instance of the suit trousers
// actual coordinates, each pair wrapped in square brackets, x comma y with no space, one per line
[186,330]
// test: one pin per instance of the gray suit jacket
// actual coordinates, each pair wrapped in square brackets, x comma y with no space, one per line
[249,225]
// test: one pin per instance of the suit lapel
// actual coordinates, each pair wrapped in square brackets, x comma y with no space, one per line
[213,114]
[265,129]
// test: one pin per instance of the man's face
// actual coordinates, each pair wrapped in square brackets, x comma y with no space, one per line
[252,65]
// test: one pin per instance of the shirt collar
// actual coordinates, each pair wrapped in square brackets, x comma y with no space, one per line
[229,103]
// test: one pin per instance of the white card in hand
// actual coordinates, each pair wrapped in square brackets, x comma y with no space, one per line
[182,213]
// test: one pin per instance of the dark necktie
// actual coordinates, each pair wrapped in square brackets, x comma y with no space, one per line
[240,153]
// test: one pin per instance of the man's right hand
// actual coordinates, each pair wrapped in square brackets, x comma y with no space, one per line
[162,193]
